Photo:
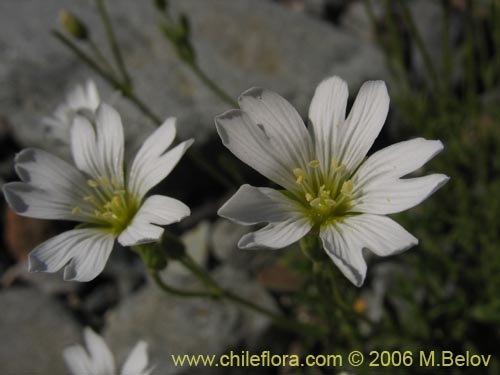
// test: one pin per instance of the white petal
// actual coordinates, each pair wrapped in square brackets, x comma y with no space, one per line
[344,246]
[27,200]
[77,98]
[381,235]
[86,250]
[137,360]
[396,161]
[78,361]
[276,235]
[156,210]
[48,172]
[252,145]
[280,122]
[326,115]
[151,164]
[84,147]
[100,354]
[392,196]
[363,124]
[110,142]
[157,142]
[252,205]
[93,99]
[61,183]
[344,242]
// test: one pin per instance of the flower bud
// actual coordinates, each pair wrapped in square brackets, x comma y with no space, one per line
[161,5]
[73,25]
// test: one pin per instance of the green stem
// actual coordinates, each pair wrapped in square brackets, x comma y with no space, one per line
[87,60]
[419,42]
[216,89]
[115,48]
[100,56]
[219,292]
[340,301]
[175,291]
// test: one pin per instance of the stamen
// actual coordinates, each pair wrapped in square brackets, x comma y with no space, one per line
[92,183]
[115,182]
[314,163]
[347,188]
[336,166]
[315,202]
[330,202]
[104,182]
[309,197]
[76,210]
[300,174]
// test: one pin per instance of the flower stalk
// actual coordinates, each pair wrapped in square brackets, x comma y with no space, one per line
[170,247]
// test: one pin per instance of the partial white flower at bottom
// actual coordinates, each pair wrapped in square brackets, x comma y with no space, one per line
[330,189]
[101,192]
[96,358]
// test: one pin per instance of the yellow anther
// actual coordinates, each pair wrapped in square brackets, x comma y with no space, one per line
[92,183]
[76,210]
[97,213]
[298,172]
[314,163]
[325,194]
[309,197]
[116,201]
[89,198]
[108,215]
[315,202]
[347,188]
[336,166]
[300,179]
[330,202]
[104,182]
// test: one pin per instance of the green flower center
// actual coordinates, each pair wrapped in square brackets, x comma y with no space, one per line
[324,193]
[112,206]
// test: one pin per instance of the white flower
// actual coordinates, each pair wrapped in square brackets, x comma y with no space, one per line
[99,192]
[98,360]
[81,100]
[330,188]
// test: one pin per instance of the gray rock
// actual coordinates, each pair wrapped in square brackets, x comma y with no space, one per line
[49,283]
[174,325]
[196,245]
[225,237]
[238,43]
[34,330]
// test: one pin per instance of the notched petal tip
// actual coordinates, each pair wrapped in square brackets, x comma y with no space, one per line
[228,115]
[35,264]
[254,92]
[13,200]
[247,242]
[25,156]
[221,121]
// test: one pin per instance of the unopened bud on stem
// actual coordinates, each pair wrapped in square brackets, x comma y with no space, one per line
[73,25]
